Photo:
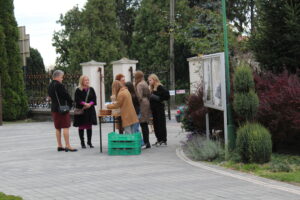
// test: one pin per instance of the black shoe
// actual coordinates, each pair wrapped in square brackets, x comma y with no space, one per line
[147,146]
[71,150]
[156,143]
[83,146]
[91,146]
[162,143]
[60,149]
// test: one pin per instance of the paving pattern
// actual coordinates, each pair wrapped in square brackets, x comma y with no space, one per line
[31,167]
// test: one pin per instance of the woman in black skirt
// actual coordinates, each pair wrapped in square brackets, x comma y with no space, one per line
[85,99]
[158,95]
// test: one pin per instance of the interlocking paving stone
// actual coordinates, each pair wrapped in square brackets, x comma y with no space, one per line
[31,167]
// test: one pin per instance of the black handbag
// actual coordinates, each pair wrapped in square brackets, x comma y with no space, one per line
[62,109]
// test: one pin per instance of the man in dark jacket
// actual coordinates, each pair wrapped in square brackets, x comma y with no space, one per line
[59,97]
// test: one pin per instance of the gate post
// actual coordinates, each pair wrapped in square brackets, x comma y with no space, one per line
[94,70]
[126,67]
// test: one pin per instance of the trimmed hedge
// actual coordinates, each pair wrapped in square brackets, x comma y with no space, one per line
[254,143]
[246,105]
[243,79]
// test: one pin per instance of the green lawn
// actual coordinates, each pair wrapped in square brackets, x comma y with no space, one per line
[281,167]
[9,197]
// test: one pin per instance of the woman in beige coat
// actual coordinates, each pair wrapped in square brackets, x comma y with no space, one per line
[124,102]
[143,94]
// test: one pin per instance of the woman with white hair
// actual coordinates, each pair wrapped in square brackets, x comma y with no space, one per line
[60,97]
[85,99]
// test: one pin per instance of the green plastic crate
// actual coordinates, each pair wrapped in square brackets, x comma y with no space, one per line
[124,144]
[124,137]
[124,151]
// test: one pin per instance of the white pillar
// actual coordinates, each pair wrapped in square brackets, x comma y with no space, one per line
[124,66]
[196,73]
[93,69]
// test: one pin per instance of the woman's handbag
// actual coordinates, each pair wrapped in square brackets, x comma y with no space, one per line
[80,111]
[62,109]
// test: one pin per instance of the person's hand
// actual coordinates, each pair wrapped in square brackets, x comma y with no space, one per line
[86,106]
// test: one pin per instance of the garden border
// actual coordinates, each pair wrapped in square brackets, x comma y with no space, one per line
[244,176]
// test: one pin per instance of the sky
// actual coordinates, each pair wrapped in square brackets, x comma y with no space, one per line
[39,17]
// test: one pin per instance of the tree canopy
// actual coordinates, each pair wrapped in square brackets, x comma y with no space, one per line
[276,42]
[35,63]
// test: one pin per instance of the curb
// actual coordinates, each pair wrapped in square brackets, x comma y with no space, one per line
[182,156]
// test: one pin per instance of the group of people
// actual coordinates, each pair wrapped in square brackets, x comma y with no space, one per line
[138,104]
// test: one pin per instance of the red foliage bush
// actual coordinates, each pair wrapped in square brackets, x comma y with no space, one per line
[279,108]
[194,119]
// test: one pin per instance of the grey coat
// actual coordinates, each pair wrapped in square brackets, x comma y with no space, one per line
[143,94]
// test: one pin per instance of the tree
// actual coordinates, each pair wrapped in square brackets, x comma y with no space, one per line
[63,40]
[276,42]
[150,43]
[14,97]
[35,63]
[242,14]
[126,13]
[88,34]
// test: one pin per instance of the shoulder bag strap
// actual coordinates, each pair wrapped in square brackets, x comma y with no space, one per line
[87,95]
[56,94]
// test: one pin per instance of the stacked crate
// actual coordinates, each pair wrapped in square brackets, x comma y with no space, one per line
[124,144]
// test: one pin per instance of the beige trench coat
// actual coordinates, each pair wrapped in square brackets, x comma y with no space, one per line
[124,102]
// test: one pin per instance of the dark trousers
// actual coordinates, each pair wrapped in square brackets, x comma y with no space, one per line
[159,123]
[145,131]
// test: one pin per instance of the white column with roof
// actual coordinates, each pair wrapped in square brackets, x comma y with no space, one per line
[95,71]
[126,67]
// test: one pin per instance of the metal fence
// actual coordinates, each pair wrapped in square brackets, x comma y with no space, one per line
[37,89]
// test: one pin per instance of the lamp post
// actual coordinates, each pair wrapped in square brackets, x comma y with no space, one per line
[230,125]
[172,67]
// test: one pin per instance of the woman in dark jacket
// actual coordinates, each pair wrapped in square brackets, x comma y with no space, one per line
[135,102]
[158,95]
[59,96]
[85,98]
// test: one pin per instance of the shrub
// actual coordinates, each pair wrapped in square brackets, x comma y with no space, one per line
[243,79]
[199,148]
[280,167]
[254,143]
[245,102]
[194,115]
[9,197]
[246,105]
[279,109]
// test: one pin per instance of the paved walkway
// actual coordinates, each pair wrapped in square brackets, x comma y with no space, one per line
[31,167]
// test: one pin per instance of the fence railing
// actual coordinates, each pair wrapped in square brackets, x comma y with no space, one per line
[37,89]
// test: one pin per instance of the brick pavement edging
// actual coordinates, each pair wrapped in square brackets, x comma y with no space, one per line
[239,175]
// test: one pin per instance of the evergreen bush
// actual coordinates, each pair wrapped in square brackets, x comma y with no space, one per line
[254,143]
[246,105]
[243,79]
